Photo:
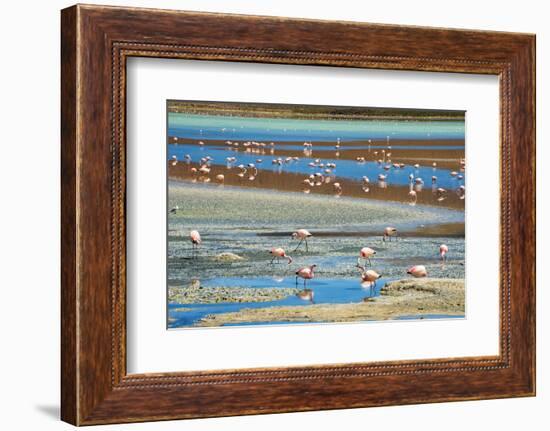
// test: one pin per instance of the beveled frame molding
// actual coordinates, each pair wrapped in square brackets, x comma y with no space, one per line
[96,42]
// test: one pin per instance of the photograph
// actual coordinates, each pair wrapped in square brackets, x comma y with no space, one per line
[313,214]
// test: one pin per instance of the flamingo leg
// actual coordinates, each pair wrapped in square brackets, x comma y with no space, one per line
[271,261]
[298,244]
[370,264]
[306,246]
[296,280]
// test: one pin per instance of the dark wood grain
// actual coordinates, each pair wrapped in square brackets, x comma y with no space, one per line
[96,41]
[69,367]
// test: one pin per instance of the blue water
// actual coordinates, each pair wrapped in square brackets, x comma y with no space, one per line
[349,169]
[326,291]
[194,126]
[366,147]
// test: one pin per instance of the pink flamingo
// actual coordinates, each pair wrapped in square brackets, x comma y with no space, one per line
[443,250]
[412,197]
[369,276]
[417,271]
[306,273]
[389,232]
[277,253]
[365,253]
[196,240]
[302,235]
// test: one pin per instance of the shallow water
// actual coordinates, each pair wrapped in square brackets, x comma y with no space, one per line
[249,221]
[286,129]
[326,291]
[231,220]
[350,169]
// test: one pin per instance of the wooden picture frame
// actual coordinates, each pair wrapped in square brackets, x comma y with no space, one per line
[96,41]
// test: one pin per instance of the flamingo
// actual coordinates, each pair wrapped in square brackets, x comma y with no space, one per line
[366,253]
[306,295]
[443,250]
[306,273]
[277,253]
[441,194]
[417,271]
[369,276]
[389,232]
[251,166]
[243,171]
[461,192]
[412,197]
[220,178]
[195,238]
[302,235]
[204,169]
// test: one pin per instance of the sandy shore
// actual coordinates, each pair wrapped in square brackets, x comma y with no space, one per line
[408,297]
[197,294]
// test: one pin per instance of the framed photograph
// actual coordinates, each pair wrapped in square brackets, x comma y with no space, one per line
[259,216]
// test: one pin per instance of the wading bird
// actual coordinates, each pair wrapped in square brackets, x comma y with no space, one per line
[412,197]
[196,240]
[389,232]
[417,271]
[369,275]
[365,253]
[277,253]
[443,250]
[174,210]
[243,171]
[306,273]
[302,235]
[461,192]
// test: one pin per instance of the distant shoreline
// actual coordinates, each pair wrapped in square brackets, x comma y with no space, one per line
[309,112]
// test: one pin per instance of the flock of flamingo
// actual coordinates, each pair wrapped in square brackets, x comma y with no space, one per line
[324,173]
[368,276]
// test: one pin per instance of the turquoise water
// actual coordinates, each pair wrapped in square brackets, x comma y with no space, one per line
[194,126]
